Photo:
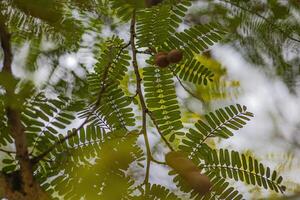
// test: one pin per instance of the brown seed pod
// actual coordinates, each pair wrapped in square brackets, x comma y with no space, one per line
[179,162]
[161,60]
[198,182]
[175,56]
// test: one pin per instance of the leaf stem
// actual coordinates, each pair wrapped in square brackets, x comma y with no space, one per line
[7,151]
[186,89]
[158,162]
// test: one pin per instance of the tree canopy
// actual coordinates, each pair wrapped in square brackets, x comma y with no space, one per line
[85,86]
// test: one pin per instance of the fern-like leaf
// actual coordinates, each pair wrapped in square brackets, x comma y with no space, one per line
[195,40]
[153,27]
[114,112]
[87,166]
[241,168]
[193,71]
[44,118]
[162,101]
[218,124]
[221,189]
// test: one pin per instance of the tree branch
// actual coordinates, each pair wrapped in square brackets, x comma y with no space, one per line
[2,185]
[141,98]
[29,187]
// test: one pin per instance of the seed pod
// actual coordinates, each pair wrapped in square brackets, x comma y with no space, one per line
[198,182]
[175,56]
[179,162]
[188,171]
[161,60]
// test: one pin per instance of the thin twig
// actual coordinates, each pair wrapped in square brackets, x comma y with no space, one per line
[7,151]
[158,162]
[186,89]
[147,51]
[141,98]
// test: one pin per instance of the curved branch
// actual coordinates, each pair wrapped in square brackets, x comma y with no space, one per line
[186,89]
[141,98]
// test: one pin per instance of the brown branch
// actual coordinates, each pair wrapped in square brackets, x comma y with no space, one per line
[3,186]
[29,187]
[141,98]
[5,44]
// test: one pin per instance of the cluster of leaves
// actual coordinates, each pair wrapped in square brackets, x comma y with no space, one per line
[93,161]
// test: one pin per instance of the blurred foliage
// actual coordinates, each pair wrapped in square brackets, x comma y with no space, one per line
[265,32]
[220,87]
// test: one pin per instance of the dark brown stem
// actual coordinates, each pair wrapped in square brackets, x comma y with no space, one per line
[30,190]
[141,98]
